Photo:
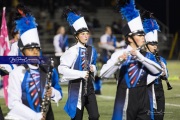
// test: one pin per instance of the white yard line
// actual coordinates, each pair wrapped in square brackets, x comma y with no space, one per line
[106,97]
[112,98]
[177,95]
[174,105]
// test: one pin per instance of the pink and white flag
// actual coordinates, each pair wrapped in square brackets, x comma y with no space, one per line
[4,50]
[4,38]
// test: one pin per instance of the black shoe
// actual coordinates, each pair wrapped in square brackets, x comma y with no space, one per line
[98,92]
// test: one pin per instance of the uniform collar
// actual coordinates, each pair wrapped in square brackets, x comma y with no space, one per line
[33,66]
[129,48]
[80,45]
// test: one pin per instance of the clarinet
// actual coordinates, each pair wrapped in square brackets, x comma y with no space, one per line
[46,101]
[162,77]
[86,69]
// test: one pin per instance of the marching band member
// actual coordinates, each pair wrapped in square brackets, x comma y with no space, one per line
[78,67]
[156,91]
[132,100]
[27,83]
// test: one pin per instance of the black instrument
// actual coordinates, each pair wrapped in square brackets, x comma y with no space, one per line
[86,80]
[162,77]
[46,101]
[86,67]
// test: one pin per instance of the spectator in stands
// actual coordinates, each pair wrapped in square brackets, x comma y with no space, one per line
[14,50]
[60,42]
[15,37]
[121,44]
[107,44]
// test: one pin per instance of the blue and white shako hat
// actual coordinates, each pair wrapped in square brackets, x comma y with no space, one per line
[131,14]
[27,27]
[151,27]
[77,23]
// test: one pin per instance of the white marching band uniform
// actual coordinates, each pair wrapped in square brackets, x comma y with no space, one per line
[19,111]
[113,63]
[67,61]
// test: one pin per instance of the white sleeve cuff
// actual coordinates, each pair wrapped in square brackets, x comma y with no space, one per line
[56,95]
[83,74]
[95,70]
[38,116]
[140,56]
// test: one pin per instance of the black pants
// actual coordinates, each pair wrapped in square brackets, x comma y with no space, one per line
[160,99]
[91,105]
[1,115]
[138,104]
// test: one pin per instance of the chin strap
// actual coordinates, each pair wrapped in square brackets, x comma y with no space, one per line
[80,41]
[149,49]
[134,41]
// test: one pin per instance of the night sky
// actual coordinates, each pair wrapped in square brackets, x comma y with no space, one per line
[158,7]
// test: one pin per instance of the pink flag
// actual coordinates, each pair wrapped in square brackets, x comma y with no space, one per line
[4,50]
[4,39]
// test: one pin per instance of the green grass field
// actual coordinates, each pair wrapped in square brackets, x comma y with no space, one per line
[106,100]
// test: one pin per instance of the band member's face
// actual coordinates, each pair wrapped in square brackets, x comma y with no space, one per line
[139,40]
[83,37]
[152,47]
[32,52]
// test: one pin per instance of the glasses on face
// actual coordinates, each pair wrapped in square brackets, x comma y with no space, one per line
[153,43]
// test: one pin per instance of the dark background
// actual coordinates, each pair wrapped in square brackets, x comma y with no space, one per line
[167,11]
[160,9]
